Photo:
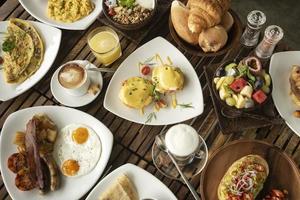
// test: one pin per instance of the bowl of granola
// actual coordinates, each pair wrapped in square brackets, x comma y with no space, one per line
[129,14]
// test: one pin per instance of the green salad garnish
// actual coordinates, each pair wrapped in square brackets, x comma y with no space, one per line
[126,3]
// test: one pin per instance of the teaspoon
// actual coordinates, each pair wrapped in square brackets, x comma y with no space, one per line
[161,144]
[108,70]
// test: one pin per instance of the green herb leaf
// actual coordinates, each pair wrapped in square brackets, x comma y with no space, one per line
[8,45]
[242,70]
[250,76]
[187,105]
[150,117]
[126,3]
[155,94]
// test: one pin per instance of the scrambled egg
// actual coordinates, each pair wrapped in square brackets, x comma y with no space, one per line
[69,10]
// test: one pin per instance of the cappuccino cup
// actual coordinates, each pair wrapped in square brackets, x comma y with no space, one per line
[73,78]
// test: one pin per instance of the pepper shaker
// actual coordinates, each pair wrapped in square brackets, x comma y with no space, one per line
[273,34]
[255,21]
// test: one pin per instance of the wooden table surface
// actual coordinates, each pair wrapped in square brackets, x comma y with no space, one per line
[133,142]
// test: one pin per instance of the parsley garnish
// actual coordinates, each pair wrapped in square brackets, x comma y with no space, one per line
[8,45]
[155,94]
[187,105]
[126,3]
[150,117]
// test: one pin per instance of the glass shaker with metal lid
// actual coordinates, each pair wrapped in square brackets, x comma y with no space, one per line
[255,21]
[273,34]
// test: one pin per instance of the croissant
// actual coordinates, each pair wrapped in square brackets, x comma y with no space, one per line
[206,13]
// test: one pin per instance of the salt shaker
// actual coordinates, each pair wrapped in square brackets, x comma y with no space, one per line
[273,34]
[255,21]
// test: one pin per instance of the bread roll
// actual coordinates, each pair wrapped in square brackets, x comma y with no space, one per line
[213,39]
[179,17]
[227,21]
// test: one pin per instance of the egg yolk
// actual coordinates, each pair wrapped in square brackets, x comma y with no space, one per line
[80,135]
[70,167]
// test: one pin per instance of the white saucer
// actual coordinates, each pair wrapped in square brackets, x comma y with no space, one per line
[73,101]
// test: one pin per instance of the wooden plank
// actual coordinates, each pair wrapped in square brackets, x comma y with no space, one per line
[3,193]
[15,106]
[7,8]
[133,142]
[292,144]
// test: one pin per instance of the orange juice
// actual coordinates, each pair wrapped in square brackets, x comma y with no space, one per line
[104,43]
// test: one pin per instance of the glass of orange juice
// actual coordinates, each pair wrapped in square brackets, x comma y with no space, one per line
[104,43]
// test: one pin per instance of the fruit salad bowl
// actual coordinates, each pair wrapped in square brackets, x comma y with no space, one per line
[241,88]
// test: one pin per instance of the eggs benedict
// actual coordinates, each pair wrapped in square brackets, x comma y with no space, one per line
[136,92]
[166,77]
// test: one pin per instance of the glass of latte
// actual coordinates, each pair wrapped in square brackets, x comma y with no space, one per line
[184,143]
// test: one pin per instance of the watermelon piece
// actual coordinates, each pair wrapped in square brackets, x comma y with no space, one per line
[238,85]
[259,96]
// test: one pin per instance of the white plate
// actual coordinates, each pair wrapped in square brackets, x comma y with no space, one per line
[147,185]
[71,188]
[51,37]
[191,93]
[68,100]
[38,9]
[280,70]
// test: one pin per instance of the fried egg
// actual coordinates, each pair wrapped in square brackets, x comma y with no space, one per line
[77,150]
[136,92]
[167,78]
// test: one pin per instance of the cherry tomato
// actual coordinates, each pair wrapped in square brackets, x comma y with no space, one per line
[145,70]
[111,12]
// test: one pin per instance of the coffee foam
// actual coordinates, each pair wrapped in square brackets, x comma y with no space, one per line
[71,75]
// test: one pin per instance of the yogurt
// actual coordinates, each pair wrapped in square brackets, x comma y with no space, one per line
[182,140]
[149,4]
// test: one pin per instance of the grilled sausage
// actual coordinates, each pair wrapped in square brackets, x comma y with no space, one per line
[16,162]
[23,180]
[53,169]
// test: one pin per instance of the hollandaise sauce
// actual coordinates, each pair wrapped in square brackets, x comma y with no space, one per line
[167,78]
[136,92]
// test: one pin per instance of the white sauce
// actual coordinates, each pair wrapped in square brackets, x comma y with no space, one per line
[182,140]
[146,3]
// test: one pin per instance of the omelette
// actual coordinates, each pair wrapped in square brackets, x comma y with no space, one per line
[136,92]
[27,55]
[17,59]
